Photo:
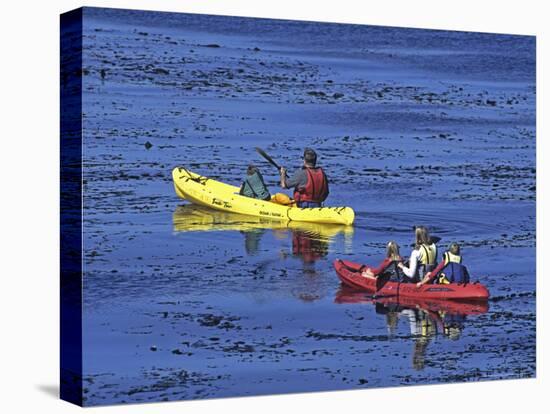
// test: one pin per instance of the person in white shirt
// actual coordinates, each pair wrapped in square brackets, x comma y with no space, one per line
[423,256]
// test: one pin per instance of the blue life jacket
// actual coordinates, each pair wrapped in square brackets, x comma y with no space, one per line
[456,273]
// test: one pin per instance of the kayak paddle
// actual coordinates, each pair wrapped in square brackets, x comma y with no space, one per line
[268,158]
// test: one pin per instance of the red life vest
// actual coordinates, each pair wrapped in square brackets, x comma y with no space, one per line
[307,247]
[316,189]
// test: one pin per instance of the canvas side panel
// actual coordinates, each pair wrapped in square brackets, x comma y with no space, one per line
[71,207]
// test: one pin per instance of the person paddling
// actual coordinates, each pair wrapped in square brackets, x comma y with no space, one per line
[310,183]
[392,258]
[423,256]
[254,186]
[449,270]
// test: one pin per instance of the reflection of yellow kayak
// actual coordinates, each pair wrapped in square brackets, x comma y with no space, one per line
[198,218]
[224,197]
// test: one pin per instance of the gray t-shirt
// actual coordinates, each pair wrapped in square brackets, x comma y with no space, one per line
[298,180]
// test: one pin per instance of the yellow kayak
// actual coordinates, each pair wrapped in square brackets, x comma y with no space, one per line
[214,194]
[189,218]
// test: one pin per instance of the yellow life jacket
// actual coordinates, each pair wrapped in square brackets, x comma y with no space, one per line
[425,327]
[449,257]
[428,254]
[442,279]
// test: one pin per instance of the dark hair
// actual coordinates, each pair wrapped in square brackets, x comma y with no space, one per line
[252,169]
[454,248]
[310,156]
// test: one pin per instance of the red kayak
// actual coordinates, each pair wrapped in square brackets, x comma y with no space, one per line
[350,275]
[348,295]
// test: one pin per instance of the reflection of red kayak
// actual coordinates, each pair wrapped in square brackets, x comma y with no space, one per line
[351,296]
[349,273]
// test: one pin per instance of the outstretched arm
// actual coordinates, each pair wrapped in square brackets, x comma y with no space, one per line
[411,270]
[282,172]
[297,180]
[431,275]
[381,267]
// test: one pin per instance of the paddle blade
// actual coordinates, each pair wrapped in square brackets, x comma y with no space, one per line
[381,281]
[267,157]
[435,239]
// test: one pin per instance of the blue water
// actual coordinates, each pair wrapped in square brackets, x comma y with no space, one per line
[412,126]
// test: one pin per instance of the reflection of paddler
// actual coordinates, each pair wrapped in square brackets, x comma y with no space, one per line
[427,318]
[309,247]
[252,240]
[392,318]
[419,353]
[453,324]
[310,241]
[423,329]
[391,311]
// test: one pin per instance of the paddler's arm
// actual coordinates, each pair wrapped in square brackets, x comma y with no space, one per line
[411,270]
[381,267]
[299,179]
[282,172]
[431,275]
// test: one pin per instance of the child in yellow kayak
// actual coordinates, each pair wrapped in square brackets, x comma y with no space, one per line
[254,186]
